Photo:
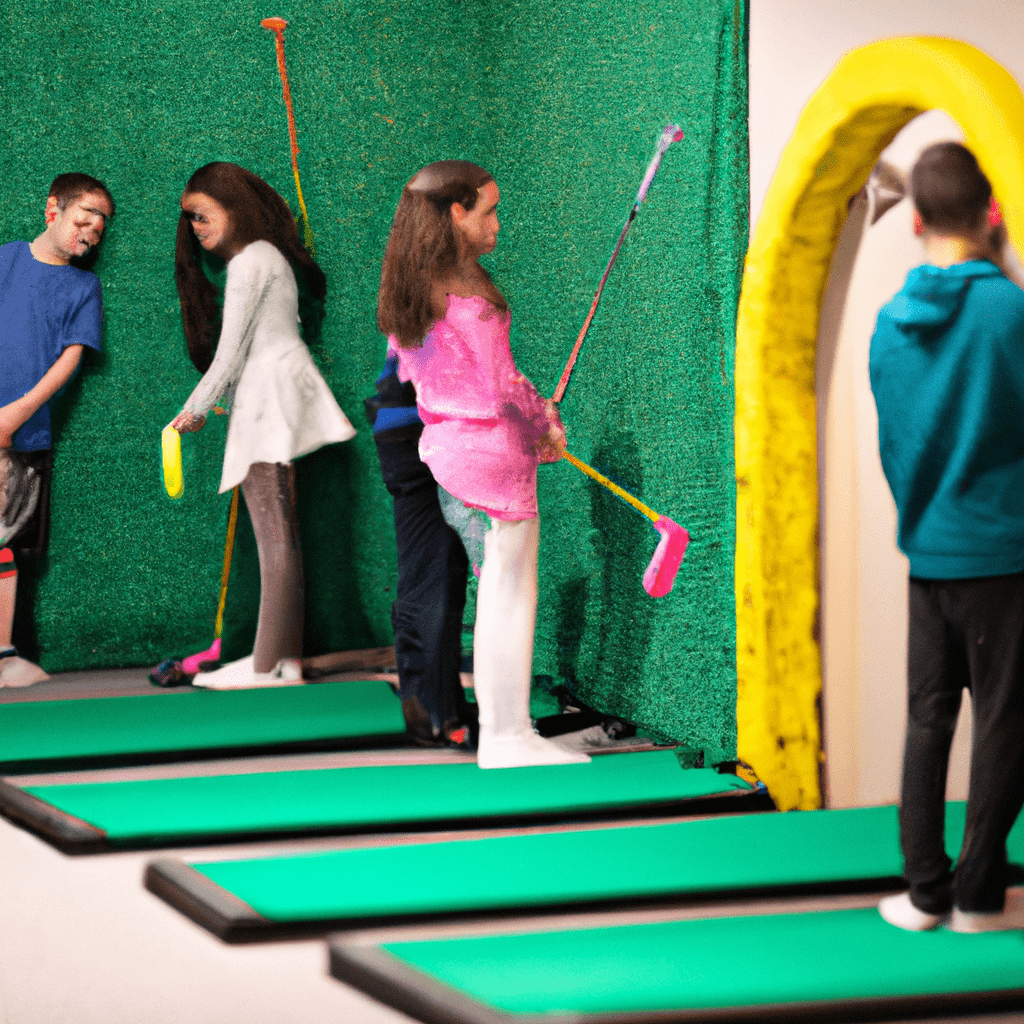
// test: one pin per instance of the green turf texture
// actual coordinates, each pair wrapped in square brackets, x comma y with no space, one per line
[564,104]
[165,723]
[753,851]
[724,962]
[343,798]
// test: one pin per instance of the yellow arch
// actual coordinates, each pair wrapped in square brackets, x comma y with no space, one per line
[872,93]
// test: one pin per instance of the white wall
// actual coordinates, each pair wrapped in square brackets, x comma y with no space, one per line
[794,44]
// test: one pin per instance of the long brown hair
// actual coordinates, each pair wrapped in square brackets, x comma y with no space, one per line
[423,248]
[256,212]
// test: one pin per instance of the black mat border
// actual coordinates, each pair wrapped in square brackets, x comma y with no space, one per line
[230,919]
[389,980]
[68,834]
[208,904]
[44,820]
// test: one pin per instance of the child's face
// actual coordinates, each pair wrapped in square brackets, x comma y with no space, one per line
[210,222]
[479,227]
[79,226]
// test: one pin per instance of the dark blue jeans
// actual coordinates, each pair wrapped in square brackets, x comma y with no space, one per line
[963,634]
[432,566]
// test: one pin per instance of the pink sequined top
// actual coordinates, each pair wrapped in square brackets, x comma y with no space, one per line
[482,418]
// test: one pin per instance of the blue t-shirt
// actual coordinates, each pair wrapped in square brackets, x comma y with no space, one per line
[393,408]
[43,309]
[947,372]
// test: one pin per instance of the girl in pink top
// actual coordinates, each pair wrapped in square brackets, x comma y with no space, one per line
[485,427]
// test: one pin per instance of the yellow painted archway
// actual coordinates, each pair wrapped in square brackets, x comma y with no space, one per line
[872,93]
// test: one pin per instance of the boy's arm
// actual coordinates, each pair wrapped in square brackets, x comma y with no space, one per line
[14,415]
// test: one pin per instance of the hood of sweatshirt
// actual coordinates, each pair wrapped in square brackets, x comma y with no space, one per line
[932,296]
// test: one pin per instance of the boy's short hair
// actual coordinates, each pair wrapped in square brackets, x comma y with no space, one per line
[950,191]
[66,188]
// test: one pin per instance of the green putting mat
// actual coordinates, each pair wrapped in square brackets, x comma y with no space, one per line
[817,851]
[838,963]
[155,727]
[182,810]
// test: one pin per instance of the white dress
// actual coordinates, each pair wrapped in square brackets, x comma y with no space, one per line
[281,407]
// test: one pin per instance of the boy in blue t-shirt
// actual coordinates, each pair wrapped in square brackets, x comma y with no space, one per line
[50,311]
[947,372]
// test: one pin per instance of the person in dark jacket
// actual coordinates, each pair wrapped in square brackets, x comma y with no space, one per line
[432,566]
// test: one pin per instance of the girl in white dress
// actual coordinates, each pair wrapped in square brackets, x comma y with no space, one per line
[280,406]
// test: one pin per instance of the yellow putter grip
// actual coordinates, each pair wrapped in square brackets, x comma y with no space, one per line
[613,487]
[171,442]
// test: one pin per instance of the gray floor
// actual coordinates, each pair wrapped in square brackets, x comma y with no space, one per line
[82,942]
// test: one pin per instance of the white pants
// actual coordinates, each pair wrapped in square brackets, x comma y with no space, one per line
[506,610]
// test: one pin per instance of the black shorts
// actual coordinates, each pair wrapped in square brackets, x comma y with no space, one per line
[35,534]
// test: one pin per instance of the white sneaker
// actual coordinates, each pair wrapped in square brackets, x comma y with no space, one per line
[238,675]
[15,671]
[1010,918]
[522,750]
[898,910]
[232,676]
[287,672]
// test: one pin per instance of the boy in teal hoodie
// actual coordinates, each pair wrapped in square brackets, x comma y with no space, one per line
[947,372]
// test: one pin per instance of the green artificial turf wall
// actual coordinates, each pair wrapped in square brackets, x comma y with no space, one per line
[564,104]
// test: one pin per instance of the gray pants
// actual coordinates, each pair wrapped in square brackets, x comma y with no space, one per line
[271,498]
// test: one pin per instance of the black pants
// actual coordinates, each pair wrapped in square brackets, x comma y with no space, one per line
[963,634]
[432,566]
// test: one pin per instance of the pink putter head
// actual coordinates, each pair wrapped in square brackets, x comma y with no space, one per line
[668,556]
[193,661]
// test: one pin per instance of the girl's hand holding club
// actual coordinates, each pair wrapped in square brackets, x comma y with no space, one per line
[186,423]
[551,447]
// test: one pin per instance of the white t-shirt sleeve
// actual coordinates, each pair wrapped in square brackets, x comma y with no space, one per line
[250,275]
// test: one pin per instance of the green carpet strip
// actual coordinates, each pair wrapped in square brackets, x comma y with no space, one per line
[161,726]
[168,811]
[834,960]
[816,851]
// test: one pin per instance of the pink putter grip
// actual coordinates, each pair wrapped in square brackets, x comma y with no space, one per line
[668,556]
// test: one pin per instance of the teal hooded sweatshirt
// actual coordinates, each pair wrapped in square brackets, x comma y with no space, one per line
[947,372]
